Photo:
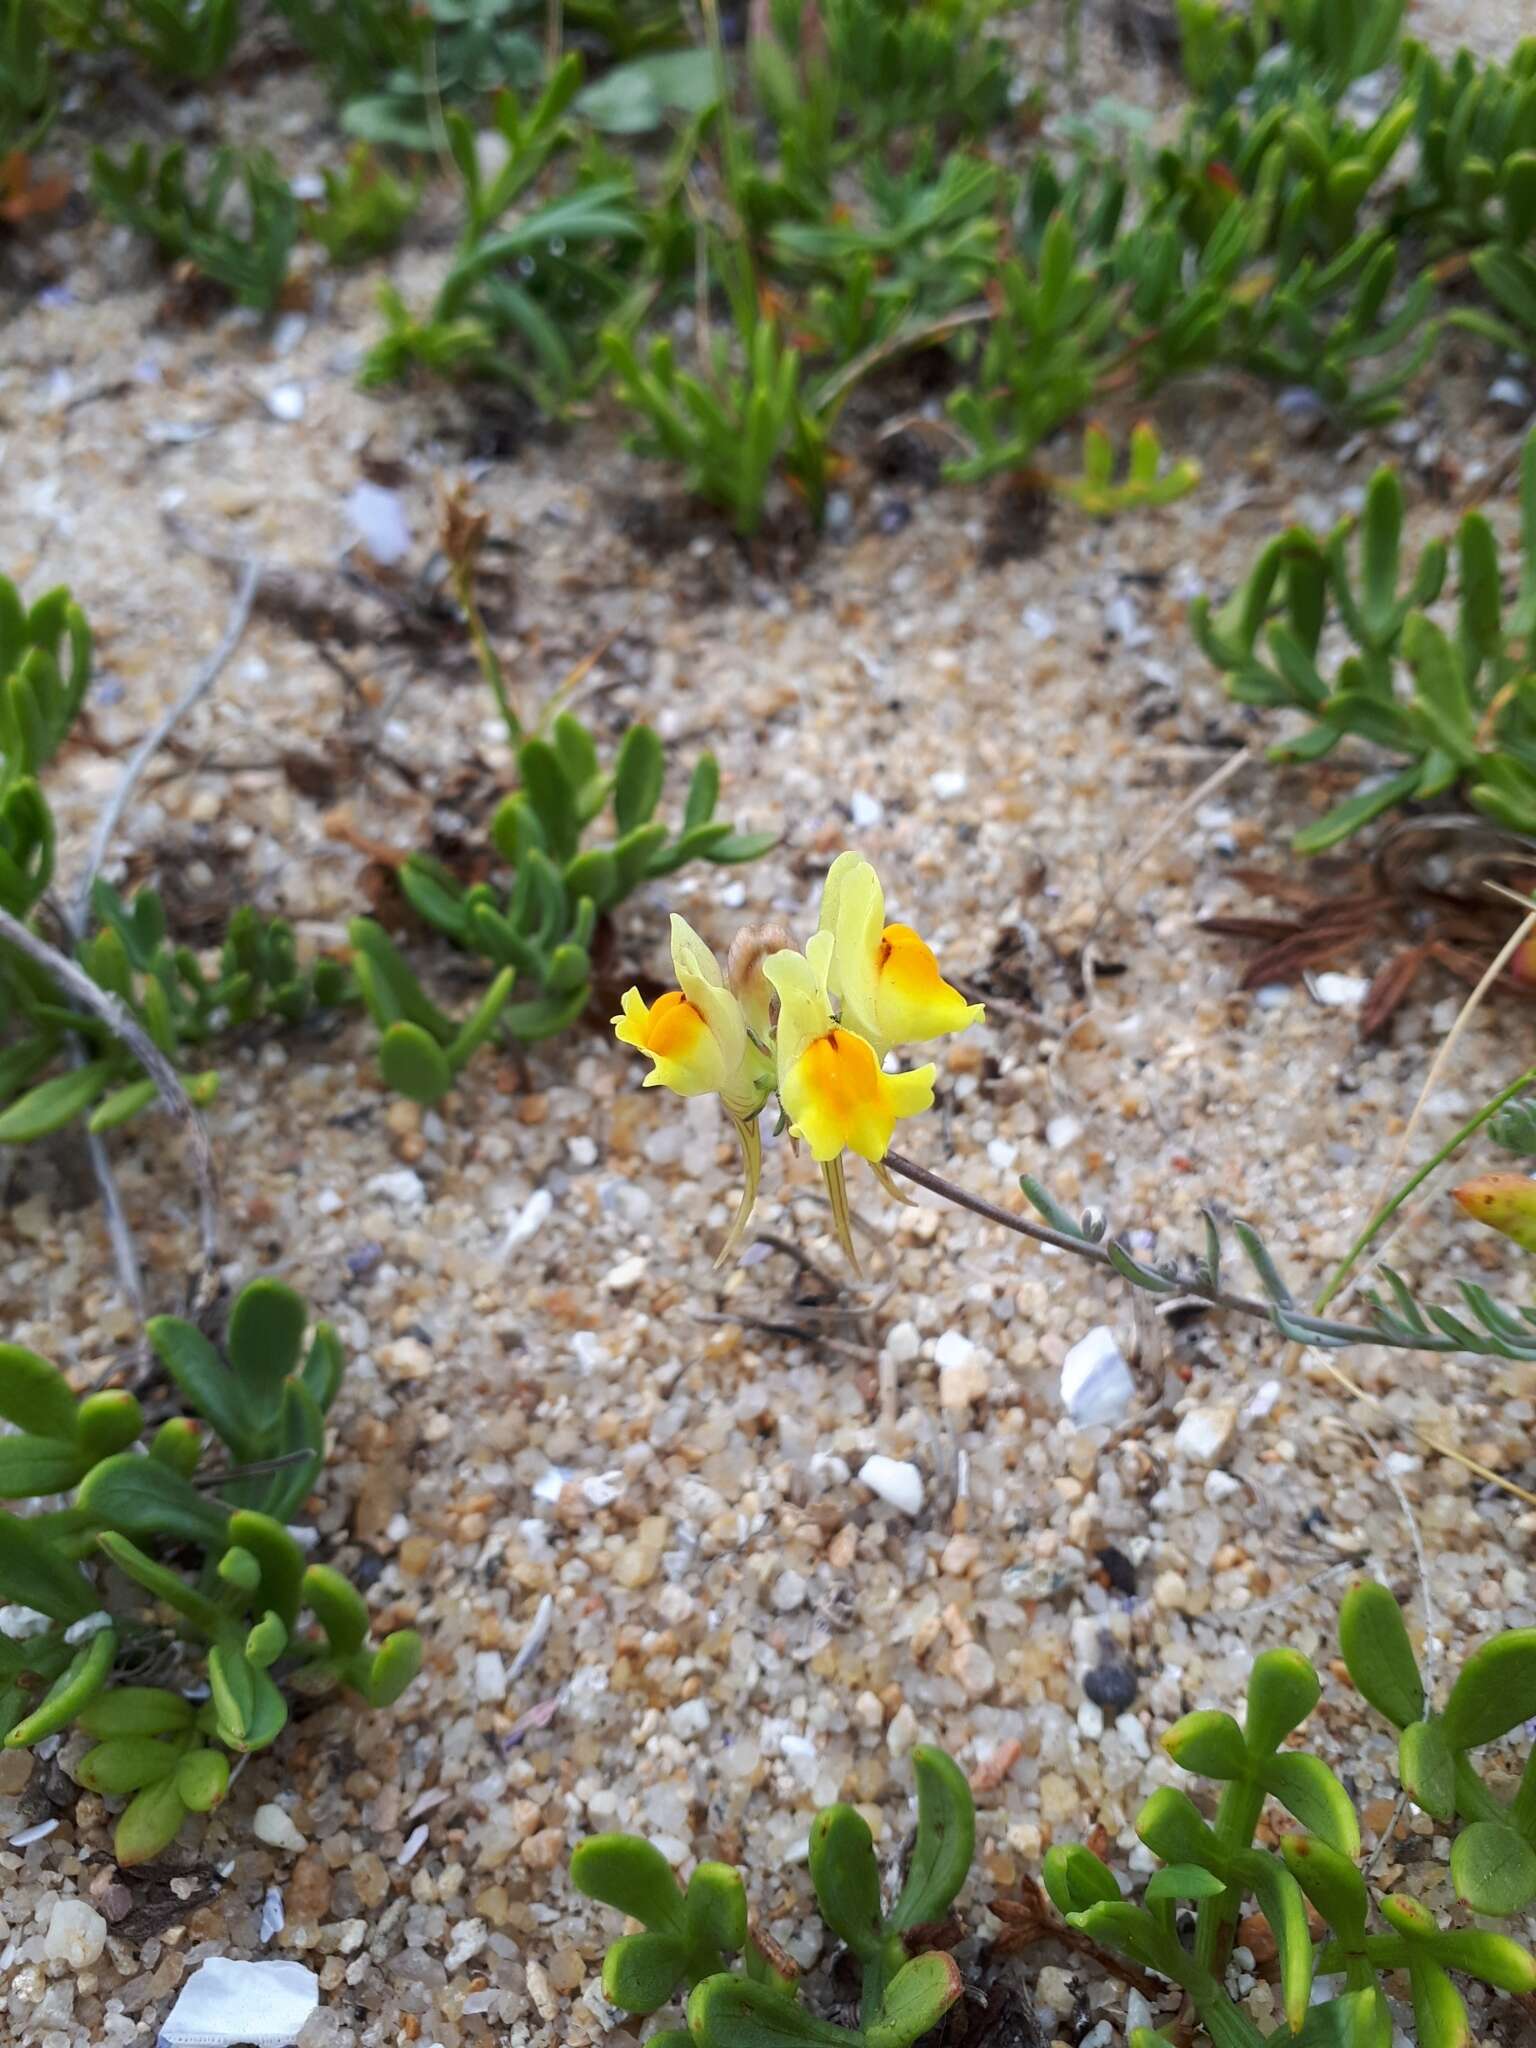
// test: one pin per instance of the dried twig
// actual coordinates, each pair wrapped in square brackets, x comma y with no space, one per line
[159,732]
[119,1020]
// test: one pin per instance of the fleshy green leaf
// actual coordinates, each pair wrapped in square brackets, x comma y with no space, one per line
[35,1395]
[641,1971]
[1378,1654]
[1427,1767]
[1495,1690]
[1282,1690]
[202,1779]
[625,1872]
[847,1878]
[140,1497]
[136,1710]
[127,1763]
[1075,1879]
[414,1064]
[1210,1743]
[148,1824]
[715,1907]
[915,2000]
[946,1840]
[264,1342]
[1306,1787]
[53,1103]
[1493,1868]
[202,1376]
[71,1692]
[339,1608]
[33,1574]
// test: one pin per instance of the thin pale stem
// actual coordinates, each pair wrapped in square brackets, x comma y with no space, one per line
[119,1020]
[159,732]
[1095,1254]
[485,653]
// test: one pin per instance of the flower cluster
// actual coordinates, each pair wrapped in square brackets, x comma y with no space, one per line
[815,1028]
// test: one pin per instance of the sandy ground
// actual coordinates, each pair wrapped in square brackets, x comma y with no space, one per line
[551,1393]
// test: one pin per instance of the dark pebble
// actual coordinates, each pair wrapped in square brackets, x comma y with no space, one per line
[1111,1685]
[361,1263]
[893,515]
[1117,1568]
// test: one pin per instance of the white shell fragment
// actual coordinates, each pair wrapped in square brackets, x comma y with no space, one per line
[1097,1385]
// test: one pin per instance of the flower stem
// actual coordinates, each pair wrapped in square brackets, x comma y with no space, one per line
[1395,1201]
[490,667]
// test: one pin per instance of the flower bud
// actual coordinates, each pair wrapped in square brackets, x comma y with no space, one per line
[1506,1202]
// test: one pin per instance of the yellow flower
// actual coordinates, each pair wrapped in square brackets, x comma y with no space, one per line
[698,1043]
[885,976]
[831,1084]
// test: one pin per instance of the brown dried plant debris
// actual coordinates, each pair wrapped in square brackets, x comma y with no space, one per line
[1423,900]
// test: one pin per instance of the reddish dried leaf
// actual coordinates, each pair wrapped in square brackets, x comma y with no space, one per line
[1389,990]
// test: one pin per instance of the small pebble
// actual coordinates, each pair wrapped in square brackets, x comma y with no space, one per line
[895,1481]
[1096,1383]
[1206,1434]
[76,1935]
[1111,1684]
[274,1827]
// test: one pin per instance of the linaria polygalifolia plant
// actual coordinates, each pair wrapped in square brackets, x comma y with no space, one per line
[172,1586]
[812,1031]
[690,1932]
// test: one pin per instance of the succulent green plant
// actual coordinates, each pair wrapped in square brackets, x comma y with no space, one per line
[182,38]
[366,208]
[264,1397]
[1149,479]
[732,429]
[530,283]
[1217,1868]
[28,87]
[1455,708]
[1493,1856]
[242,244]
[689,1933]
[538,932]
[1041,359]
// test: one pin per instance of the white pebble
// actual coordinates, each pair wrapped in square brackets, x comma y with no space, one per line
[1062,1131]
[1263,1402]
[895,1481]
[378,520]
[866,811]
[903,1342]
[77,1934]
[274,1827]
[1340,991]
[402,1186]
[1096,1383]
[789,1591]
[1206,1434]
[689,1718]
[947,783]
[532,1217]
[627,1274]
[490,1676]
